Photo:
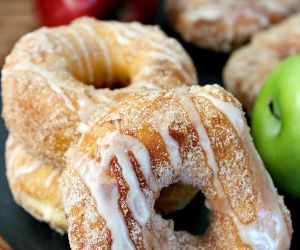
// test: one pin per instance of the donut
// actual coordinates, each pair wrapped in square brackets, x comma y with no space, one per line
[194,135]
[249,66]
[55,78]
[34,186]
[223,25]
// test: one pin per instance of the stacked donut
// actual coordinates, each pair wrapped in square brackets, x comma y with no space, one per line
[245,72]
[55,79]
[223,25]
[101,120]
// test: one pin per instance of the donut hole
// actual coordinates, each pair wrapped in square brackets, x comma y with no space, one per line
[119,83]
[192,217]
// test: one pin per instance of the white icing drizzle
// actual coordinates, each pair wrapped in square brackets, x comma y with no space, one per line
[121,39]
[136,200]
[233,113]
[86,56]
[52,82]
[82,127]
[15,151]
[86,106]
[95,177]
[51,177]
[164,56]
[269,230]
[161,124]
[152,38]
[164,52]
[27,169]
[86,109]
[188,105]
[104,49]
[44,41]
[106,194]
[14,156]
[70,46]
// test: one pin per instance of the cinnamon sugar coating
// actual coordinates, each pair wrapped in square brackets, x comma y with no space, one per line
[34,186]
[197,136]
[249,66]
[224,25]
[55,78]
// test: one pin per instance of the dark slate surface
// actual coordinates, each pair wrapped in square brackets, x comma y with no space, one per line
[24,232]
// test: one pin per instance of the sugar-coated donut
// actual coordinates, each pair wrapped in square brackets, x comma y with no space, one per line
[152,139]
[34,186]
[54,78]
[223,25]
[248,67]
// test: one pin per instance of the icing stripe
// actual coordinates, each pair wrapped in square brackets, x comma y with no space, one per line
[50,179]
[163,53]
[86,106]
[27,66]
[172,147]
[27,169]
[104,49]
[85,53]
[234,114]
[70,46]
[188,105]
[106,194]
[260,233]
[118,145]
[121,39]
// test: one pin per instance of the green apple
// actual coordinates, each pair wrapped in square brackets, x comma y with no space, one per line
[276,125]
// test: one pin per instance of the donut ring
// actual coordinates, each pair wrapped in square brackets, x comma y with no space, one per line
[223,25]
[195,135]
[34,186]
[45,103]
[245,71]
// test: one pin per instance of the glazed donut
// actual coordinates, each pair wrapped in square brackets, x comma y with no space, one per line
[197,136]
[34,186]
[248,67]
[223,25]
[55,78]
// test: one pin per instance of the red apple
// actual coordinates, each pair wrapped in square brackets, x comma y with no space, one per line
[139,10]
[59,12]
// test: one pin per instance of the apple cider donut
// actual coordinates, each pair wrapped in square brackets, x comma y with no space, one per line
[248,67]
[56,77]
[34,186]
[223,25]
[197,136]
